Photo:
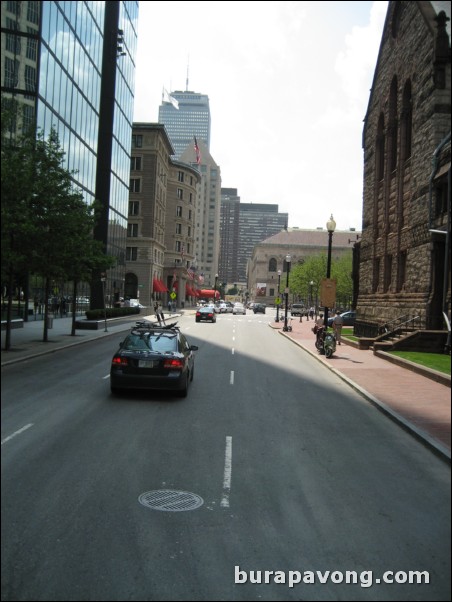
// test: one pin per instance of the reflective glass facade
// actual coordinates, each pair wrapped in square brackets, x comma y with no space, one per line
[67,73]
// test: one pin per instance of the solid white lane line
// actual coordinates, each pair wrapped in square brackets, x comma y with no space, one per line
[24,428]
[231,378]
[105,377]
[227,473]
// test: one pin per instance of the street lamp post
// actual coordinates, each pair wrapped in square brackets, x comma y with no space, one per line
[279,287]
[288,259]
[330,226]
[311,285]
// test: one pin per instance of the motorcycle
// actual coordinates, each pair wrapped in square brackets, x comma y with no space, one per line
[325,341]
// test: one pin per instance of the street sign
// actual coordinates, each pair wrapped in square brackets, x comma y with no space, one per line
[278,301]
[173,295]
[328,292]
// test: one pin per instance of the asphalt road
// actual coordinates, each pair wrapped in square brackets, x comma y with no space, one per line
[277,464]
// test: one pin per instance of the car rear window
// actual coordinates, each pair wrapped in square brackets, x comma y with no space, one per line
[162,342]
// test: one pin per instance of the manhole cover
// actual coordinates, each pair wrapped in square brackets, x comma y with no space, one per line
[170,501]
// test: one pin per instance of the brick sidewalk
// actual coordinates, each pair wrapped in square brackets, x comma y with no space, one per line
[420,404]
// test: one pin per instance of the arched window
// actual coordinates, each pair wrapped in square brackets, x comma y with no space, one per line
[380,149]
[406,122]
[392,126]
[272,265]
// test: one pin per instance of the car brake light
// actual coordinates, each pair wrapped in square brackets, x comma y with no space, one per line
[173,364]
[120,361]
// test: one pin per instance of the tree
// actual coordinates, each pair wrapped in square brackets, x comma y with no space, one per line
[313,269]
[17,179]
[50,225]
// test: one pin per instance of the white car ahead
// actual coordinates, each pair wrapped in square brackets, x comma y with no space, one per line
[239,308]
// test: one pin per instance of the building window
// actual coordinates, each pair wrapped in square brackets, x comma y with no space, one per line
[137,141]
[135,163]
[179,211]
[376,275]
[131,253]
[401,271]
[132,230]
[33,12]
[380,150]
[134,208]
[178,228]
[272,265]
[388,273]
[11,71]
[392,133]
[13,7]
[180,193]
[178,246]
[441,198]
[180,176]
[30,78]
[406,122]
[135,184]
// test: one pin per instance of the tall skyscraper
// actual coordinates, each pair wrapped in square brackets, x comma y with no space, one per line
[244,225]
[185,115]
[70,66]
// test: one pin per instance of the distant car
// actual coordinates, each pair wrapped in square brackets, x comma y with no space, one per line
[206,314]
[348,316]
[239,308]
[153,357]
[298,309]
[259,308]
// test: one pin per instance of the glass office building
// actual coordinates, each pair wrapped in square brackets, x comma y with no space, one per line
[187,117]
[70,66]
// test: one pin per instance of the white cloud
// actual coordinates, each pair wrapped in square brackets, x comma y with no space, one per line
[288,84]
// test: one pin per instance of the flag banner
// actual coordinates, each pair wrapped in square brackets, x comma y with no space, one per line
[197,152]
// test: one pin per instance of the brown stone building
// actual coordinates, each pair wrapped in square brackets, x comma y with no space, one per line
[160,231]
[404,251]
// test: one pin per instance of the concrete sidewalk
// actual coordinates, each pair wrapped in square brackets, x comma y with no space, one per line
[27,342]
[419,404]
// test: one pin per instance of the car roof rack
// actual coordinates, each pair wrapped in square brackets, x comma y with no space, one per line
[146,326]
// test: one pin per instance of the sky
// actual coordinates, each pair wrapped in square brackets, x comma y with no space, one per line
[288,86]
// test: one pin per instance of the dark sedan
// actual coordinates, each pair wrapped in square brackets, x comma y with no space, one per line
[259,308]
[153,357]
[206,314]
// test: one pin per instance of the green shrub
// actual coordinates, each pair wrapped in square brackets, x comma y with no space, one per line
[112,312]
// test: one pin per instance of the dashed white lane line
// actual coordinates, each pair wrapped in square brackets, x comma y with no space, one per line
[227,473]
[231,378]
[24,428]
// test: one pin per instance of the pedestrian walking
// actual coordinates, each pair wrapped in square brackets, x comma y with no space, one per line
[338,322]
[157,312]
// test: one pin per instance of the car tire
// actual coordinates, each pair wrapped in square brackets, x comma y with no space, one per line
[184,391]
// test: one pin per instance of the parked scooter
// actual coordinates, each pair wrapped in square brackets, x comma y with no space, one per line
[325,341]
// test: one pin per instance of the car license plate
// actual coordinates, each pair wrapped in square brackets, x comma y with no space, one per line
[146,363]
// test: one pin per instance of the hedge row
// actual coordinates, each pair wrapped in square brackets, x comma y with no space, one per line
[112,312]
